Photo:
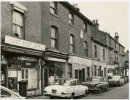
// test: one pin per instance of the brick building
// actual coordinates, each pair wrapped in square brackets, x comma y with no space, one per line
[72,36]
[115,54]
[21,48]
[99,51]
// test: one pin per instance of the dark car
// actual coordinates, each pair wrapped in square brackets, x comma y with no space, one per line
[117,80]
[96,84]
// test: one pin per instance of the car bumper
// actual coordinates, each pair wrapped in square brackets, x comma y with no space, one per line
[57,95]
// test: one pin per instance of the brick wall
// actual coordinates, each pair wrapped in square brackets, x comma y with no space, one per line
[64,28]
[32,20]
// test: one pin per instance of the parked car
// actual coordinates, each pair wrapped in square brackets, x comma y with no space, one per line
[67,88]
[125,79]
[96,84]
[9,94]
[117,80]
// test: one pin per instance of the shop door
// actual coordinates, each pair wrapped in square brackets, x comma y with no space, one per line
[3,75]
[45,77]
[83,70]
[81,75]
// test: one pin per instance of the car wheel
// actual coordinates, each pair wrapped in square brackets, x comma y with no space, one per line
[72,96]
[85,93]
[99,90]
[52,97]
[106,88]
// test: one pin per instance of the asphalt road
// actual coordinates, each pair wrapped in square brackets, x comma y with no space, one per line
[112,93]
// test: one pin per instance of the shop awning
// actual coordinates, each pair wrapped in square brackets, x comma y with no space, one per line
[19,50]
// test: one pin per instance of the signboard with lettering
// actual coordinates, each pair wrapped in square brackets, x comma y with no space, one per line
[24,43]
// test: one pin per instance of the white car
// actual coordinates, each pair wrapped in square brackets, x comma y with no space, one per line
[9,94]
[68,88]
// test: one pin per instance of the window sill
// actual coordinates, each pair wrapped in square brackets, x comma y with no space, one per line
[54,15]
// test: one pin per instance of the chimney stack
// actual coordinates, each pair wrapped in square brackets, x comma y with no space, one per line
[116,36]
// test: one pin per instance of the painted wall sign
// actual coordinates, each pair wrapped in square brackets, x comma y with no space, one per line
[24,43]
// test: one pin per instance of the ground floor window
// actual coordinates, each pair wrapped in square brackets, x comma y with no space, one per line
[88,72]
[69,71]
[76,74]
[22,68]
[95,70]
[104,72]
[56,70]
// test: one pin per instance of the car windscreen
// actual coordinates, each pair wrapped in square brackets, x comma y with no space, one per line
[60,82]
[93,79]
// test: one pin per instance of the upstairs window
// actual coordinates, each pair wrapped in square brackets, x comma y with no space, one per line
[95,51]
[103,54]
[72,44]
[18,24]
[54,37]
[71,18]
[85,27]
[53,7]
[86,48]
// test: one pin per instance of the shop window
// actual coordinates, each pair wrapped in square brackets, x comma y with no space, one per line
[54,37]
[18,24]
[24,72]
[72,44]
[53,7]
[71,18]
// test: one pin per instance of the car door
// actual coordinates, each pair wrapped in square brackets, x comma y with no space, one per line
[75,87]
[80,87]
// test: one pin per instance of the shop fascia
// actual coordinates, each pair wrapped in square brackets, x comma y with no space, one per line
[23,43]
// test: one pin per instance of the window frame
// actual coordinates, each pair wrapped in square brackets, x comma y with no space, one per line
[104,54]
[85,27]
[53,8]
[86,48]
[95,51]
[71,20]
[56,38]
[72,44]
[16,25]
[24,75]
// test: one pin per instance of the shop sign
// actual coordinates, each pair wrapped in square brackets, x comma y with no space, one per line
[24,43]
[27,58]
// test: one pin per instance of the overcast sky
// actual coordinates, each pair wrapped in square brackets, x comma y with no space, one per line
[112,17]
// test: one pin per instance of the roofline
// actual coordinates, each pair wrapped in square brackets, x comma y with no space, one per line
[67,4]
[115,40]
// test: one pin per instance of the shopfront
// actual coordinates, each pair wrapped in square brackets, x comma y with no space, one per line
[81,67]
[55,67]
[22,63]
